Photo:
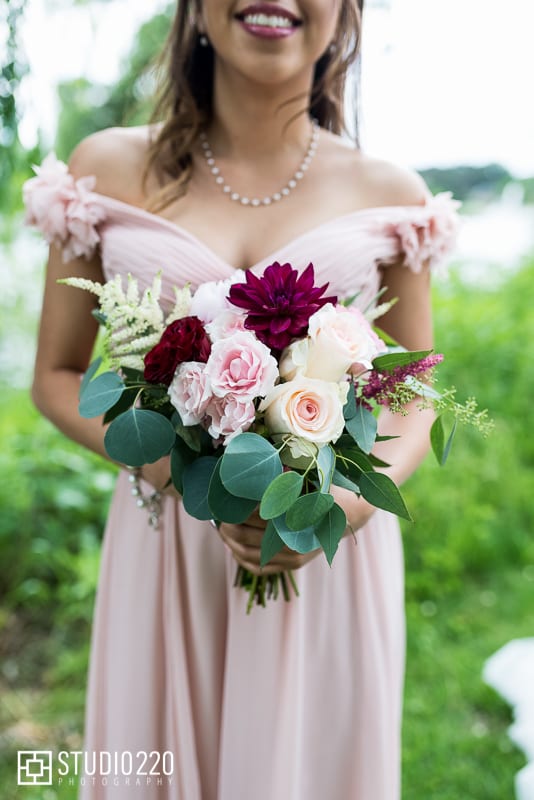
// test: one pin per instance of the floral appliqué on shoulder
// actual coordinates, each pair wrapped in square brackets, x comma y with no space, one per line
[63,209]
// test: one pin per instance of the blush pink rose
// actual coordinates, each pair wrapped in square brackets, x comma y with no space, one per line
[241,365]
[308,408]
[229,416]
[190,392]
[225,324]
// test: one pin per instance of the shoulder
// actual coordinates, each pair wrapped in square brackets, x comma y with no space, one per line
[374,182]
[116,157]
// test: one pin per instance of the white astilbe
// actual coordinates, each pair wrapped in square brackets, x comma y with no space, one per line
[182,304]
[133,325]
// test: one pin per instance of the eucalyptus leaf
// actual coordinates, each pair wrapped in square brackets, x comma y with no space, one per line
[338,479]
[362,427]
[281,494]
[326,461]
[379,490]
[308,509]
[100,394]
[250,463]
[271,544]
[330,530]
[181,456]
[90,372]
[224,506]
[349,409]
[139,437]
[302,541]
[389,361]
[196,481]
[125,401]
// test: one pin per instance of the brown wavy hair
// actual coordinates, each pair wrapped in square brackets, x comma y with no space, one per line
[184,104]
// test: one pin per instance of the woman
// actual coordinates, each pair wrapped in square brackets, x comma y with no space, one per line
[302,700]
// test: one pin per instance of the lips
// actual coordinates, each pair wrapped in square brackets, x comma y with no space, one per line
[268,15]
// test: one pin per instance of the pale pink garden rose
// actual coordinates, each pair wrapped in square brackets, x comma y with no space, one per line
[190,392]
[308,408]
[225,324]
[229,416]
[241,365]
[211,298]
[340,341]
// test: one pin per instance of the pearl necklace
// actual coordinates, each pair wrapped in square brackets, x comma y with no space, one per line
[254,202]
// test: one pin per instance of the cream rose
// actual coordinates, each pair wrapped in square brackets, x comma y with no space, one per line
[307,408]
[340,340]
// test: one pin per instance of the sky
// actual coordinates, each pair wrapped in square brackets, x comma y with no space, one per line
[444,82]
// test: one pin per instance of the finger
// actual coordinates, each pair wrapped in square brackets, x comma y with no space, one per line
[244,534]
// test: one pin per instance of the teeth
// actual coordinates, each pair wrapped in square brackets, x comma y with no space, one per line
[268,21]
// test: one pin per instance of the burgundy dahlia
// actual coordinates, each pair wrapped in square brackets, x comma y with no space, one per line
[280,303]
[183,340]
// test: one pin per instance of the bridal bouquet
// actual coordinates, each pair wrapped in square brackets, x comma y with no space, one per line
[263,391]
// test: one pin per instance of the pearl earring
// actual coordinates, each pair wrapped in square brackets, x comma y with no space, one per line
[203,40]
[332,48]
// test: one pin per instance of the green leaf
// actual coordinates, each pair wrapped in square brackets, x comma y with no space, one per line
[281,494]
[338,479]
[271,544]
[437,439]
[181,456]
[326,461]
[379,490]
[100,395]
[196,481]
[89,374]
[250,463]
[389,361]
[362,427]
[126,400]
[224,506]
[100,317]
[349,409]
[302,541]
[190,434]
[330,530]
[308,509]
[389,340]
[139,437]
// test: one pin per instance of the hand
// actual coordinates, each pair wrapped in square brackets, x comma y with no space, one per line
[245,542]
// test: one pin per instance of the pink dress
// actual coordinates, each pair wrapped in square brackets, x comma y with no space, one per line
[299,701]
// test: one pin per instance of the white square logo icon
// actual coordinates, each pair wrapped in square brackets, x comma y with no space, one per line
[34,768]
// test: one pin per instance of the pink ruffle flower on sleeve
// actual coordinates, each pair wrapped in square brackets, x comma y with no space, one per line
[63,209]
[428,233]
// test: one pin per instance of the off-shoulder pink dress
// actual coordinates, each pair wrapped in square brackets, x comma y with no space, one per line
[298,701]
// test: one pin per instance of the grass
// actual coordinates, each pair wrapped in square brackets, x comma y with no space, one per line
[469,565]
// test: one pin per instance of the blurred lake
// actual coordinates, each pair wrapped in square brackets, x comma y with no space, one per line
[494,238]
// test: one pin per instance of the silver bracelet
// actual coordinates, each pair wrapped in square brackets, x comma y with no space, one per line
[152,502]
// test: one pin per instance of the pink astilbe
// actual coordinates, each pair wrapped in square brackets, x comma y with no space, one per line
[382,387]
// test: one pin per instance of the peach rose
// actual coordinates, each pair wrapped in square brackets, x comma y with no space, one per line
[308,408]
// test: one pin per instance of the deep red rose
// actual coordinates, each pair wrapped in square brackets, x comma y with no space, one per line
[183,340]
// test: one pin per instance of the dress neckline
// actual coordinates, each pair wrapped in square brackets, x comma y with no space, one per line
[179,230]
